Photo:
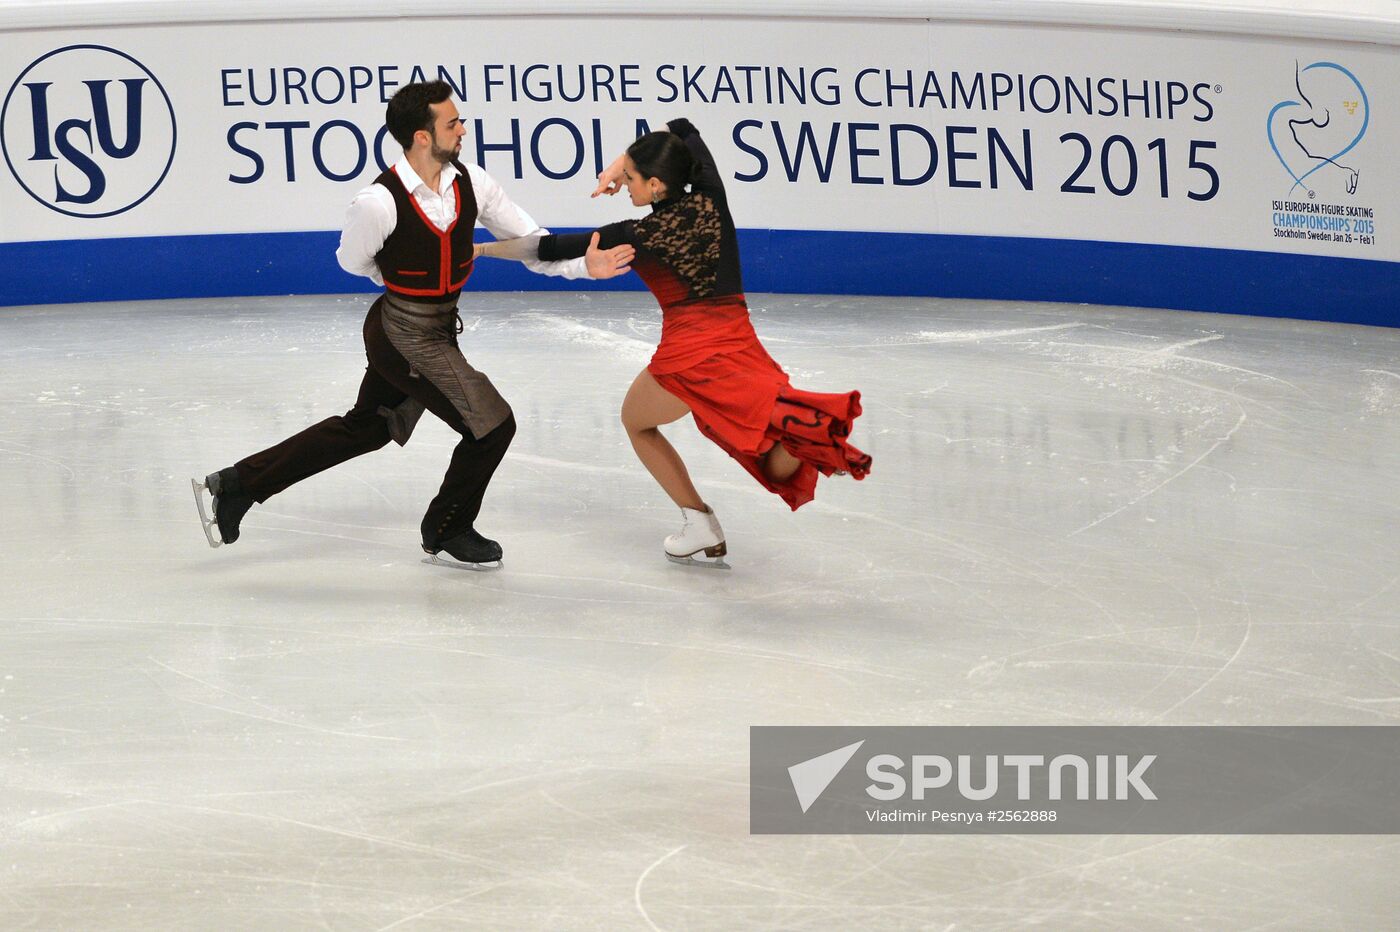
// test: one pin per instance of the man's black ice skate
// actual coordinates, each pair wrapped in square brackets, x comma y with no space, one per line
[228,502]
[468,551]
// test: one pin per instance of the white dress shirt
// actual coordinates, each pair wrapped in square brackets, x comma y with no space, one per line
[372,217]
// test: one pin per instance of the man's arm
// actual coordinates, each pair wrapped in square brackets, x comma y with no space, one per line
[499,214]
[368,222]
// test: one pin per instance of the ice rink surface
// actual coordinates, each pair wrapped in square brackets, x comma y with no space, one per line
[1077,515]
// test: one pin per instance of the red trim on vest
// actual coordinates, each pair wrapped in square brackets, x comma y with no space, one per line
[445,284]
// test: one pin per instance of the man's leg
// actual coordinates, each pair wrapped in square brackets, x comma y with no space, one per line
[452,513]
[360,430]
[258,477]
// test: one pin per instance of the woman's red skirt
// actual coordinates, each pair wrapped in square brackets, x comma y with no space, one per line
[743,401]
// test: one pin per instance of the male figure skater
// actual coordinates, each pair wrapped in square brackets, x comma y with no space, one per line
[411,231]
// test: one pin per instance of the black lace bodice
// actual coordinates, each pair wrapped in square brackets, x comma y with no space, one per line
[692,235]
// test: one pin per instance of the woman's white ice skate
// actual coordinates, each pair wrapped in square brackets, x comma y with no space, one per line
[699,533]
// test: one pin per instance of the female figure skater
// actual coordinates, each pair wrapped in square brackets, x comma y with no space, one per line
[710,362]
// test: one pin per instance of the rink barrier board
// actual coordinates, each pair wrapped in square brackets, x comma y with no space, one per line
[1344,20]
[1323,288]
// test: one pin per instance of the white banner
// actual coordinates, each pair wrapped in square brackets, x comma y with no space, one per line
[910,126]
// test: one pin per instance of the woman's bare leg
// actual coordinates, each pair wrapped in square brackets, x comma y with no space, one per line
[779,464]
[646,407]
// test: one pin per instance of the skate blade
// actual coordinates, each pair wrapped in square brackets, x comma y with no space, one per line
[715,564]
[209,524]
[491,567]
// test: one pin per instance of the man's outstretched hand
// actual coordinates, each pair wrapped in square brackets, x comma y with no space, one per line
[608,263]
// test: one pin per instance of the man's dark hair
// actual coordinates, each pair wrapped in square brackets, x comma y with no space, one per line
[409,110]
[664,155]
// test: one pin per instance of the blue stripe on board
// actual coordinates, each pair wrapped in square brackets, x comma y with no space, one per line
[788,261]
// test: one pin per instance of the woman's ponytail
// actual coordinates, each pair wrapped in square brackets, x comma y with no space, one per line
[664,155]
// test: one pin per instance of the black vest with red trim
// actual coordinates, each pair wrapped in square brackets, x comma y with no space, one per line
[419,261]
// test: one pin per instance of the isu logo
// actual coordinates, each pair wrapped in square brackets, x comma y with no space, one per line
[88,131]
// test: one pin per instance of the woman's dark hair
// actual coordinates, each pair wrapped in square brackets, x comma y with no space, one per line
[409,109]
[665,155]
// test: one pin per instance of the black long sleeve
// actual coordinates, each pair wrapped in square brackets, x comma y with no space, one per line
[692,235]
[710,181]
[559,246]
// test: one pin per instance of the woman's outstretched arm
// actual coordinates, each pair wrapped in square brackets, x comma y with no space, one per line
[601,261]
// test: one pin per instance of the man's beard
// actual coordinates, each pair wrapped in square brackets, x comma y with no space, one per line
[444,156]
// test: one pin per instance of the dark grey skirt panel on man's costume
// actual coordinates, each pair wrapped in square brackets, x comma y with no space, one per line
[426,336]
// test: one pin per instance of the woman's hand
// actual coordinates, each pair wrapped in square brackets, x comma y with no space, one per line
[610,178]
[608,263]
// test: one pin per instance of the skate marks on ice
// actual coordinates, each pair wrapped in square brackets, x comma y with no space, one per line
[628,339]
[1077,515]
[966,336]
[1160,467]
[1383,393]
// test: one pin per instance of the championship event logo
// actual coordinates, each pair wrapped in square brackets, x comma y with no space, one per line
[1313,134]
[1315,139]
[88,131]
